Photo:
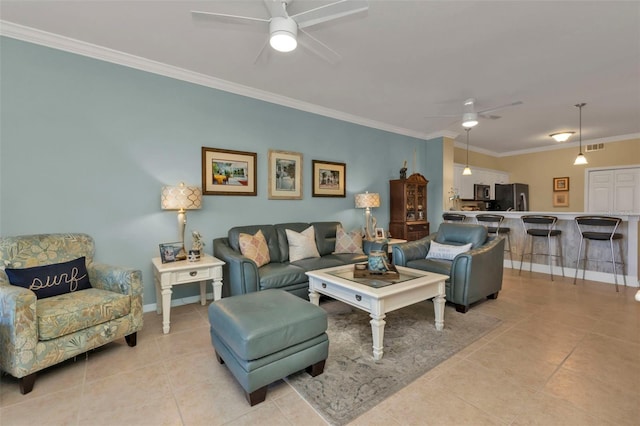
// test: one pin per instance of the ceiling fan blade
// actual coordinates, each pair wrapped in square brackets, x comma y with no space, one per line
[318,48]
[485,111]
[442,116]
[330,12]
[489,116]
[264,55]
[234,19]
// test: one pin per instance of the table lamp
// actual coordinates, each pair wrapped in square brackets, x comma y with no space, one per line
[181,198]
[367,201]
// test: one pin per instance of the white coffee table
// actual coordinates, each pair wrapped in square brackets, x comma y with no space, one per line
[377,297]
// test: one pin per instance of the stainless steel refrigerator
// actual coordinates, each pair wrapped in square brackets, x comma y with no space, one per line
[512,196]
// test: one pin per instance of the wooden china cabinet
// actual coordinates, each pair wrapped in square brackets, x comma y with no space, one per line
[409,208]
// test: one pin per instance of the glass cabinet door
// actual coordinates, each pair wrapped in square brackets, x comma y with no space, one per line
[411,202]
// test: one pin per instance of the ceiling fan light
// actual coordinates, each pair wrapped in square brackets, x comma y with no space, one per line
[283,34]
[469,119]
[561,136]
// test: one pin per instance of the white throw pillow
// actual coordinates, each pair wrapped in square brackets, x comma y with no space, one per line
[302,245]
[446,251]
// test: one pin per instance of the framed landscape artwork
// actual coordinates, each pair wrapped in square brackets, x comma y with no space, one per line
[285,175]
[226,172]
[560,184]
[560,199]
[329,179]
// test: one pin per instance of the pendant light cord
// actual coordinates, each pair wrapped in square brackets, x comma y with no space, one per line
[468,130]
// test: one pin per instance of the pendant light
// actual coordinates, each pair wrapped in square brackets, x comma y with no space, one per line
[467,170]
[580,159]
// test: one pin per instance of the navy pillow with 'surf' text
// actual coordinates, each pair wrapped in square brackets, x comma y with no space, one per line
[52,280]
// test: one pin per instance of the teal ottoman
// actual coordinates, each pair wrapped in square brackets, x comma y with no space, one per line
[265,336]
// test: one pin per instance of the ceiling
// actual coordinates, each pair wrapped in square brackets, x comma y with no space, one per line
[402,61]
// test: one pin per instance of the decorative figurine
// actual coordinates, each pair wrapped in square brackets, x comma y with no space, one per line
[403,170]
[196,246]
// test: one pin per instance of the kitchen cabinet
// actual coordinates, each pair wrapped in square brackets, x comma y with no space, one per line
[464,184]
[408,208]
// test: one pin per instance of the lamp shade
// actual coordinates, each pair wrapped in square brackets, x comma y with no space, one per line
[368,199]
[181,197]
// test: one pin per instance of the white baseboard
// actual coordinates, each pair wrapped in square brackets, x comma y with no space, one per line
[604,277]
[153,307]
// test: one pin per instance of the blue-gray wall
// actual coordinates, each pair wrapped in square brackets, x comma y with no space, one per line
[86,145]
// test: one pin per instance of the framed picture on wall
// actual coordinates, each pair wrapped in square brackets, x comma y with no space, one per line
[226,172]
[285,175]
[560,199]
[329,179]
[560,184]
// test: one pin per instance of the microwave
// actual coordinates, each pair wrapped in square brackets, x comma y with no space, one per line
[481,192]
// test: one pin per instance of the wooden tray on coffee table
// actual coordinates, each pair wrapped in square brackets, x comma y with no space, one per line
[360,270]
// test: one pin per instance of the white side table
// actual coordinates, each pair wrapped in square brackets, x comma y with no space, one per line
[393,241]
[167,275]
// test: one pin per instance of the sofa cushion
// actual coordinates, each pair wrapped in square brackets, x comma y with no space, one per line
[70,312]
[278,275]
[348,242]
[439,266]
[314,263]
[446,251]
[255,248]
[462,233]
[302,245]
[326,236]
[52,280]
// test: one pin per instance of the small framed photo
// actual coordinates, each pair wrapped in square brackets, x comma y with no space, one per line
[170,252]
[560,199]
[380,234]
[560,184]
[329,179]
[285,175]
[226,172]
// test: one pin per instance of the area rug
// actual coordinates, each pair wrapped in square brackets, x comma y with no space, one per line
[353,383]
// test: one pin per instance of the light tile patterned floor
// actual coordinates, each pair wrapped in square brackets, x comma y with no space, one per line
[564,355]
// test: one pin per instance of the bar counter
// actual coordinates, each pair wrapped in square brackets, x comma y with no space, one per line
[596,271]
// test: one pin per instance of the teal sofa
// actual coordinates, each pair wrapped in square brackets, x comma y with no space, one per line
[241,275]
[473,275]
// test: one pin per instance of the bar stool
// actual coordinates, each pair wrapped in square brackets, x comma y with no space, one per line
[494,226]
[454,217]
[530,223]
[599,228]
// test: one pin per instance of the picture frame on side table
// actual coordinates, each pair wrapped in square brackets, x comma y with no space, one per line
[285,175]
[329,179]
[560,184]
[560,199]
[380,234]
[169,251]
[226,172]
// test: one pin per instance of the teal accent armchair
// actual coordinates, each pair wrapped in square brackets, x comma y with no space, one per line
[473,275]
[38,333]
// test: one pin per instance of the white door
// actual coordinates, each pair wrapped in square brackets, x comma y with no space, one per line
[614,190]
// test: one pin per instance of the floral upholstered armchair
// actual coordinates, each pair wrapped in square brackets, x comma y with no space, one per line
[39,330]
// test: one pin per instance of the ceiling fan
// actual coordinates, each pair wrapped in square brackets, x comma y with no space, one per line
[286,31]
[470,115]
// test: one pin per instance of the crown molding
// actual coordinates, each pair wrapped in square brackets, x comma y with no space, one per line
[67,44]
[565,145]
